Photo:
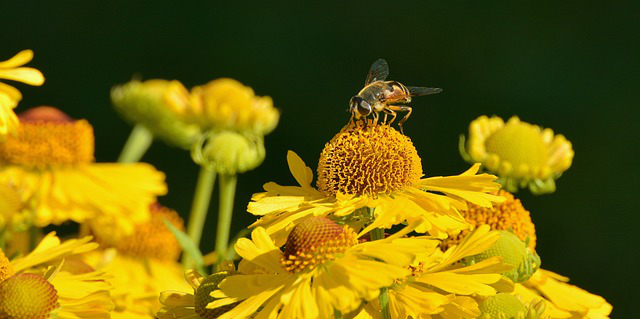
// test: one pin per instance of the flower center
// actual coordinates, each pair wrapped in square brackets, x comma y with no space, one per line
[368,161]
[509,215]
[518,143]
[48,137]
[503,305]
[27,296]
[151,239]
[203,296]
[315,241]
[6,269]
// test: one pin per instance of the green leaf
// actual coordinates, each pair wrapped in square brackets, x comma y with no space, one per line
[188,246]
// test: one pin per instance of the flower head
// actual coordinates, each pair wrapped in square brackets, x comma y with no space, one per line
[226,104]
[6,269]
[505,306]
[50,164]
[156,105]
[322,269]
[42,286]
[13,69]
[509,215]
[373,167]
[27,296]
[522,154]
[150,239]
[229,152]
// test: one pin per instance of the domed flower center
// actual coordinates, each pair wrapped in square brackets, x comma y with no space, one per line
[503,305]
[48,137]
[6,269]
[27,296]
[203,296]
[368,161]
[151,239]
[315,241]
[518,143]
[509,215]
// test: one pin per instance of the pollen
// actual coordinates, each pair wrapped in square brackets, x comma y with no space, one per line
[203,296]
[509,215]
[6,269]
[27,296]
[315,241]
[151,239]
[368,161]
[519,143]
[47,137]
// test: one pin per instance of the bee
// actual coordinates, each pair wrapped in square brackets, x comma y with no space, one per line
[389,97]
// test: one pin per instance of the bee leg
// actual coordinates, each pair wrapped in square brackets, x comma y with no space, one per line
[385,117]
[375,118]
[393,115]
[407,109]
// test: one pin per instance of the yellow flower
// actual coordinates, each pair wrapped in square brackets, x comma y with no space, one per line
[440,287]
[226,104]
[9,96]
[150,239]
[155,104]
[323,269]
[509,215]
[522,154]
[50,164]
[373,167]
[562,300]
[136,282]
[43,285]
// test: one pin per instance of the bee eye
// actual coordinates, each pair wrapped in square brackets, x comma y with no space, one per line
[364,108]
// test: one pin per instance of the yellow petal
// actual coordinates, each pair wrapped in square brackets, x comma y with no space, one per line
[25,75]
[23,57]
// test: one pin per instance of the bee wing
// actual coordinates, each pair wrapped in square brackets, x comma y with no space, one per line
[419,91]
[378,72]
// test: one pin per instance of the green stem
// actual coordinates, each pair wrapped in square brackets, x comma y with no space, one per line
[199,208]
[137,144]
[225,211]
[337,314]
[385,312]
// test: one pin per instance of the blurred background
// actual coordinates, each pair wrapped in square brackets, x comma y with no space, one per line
[572,66]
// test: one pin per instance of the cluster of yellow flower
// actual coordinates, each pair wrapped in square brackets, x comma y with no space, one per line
[373,239]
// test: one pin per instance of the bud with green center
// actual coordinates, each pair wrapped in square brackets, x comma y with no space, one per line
[228,152]
[27,296]
[203,296]
[506,306]
[153,104]
[513,252]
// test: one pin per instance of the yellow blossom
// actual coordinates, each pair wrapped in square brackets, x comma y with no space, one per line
[521,154]
[226,104]
[375,167]
[50,164]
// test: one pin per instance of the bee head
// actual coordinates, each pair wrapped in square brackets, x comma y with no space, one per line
[359,106]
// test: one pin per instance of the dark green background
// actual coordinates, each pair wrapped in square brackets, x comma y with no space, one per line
[572,66]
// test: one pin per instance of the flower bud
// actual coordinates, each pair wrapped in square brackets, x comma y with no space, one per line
[158,106]
[228,152]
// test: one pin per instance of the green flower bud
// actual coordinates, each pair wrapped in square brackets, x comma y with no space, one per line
[506,306]
[155,104]
[228,152]
[513,252]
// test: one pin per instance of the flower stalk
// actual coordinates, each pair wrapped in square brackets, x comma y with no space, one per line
[137,144]
[228,184]
[385,313]
[200,207]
